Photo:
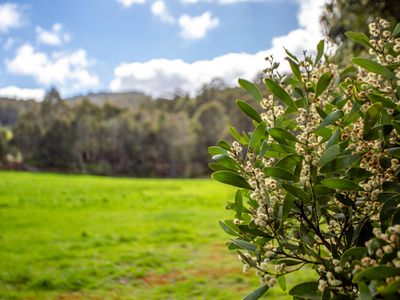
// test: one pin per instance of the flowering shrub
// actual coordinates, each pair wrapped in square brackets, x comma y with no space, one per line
[319,175]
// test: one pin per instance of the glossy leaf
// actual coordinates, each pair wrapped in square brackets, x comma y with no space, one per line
[231,178]
[372,116]
[245,245]
[306,290]
[257,294]
[287,206]
[358,37]
[323,83]
[380,272]
[282,282]
[376,98]
[396,30]
[249,110]
[365,293]
[296,192]
[257,135]
[353,254]
[279,173]
[282,134]
[329,154]
[320,51]
[215,150]
[251,88]
[331,118]
[341,184]
[374,67]
[227,229]
[280,93]
[295,68]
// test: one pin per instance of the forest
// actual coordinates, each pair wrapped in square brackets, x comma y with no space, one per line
[118,134]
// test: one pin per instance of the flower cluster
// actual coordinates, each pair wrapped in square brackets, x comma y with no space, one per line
[320,172]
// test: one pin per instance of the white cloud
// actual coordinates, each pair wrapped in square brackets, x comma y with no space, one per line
[162,77]
[54,37]
[22,93]
[159,9]
[10,17]
[193,28]
[66,70]
[128,3]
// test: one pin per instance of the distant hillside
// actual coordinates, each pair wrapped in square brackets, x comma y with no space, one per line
[126,100]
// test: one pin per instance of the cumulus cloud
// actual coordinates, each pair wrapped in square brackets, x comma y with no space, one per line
[159,9]
[54,37]
[10,17]
[22,93]
[193,28]
[67,70]
[162,77]
[128,3]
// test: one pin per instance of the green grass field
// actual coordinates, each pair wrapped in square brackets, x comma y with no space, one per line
[87,237]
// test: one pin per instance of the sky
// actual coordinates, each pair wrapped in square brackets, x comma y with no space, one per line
[157,47]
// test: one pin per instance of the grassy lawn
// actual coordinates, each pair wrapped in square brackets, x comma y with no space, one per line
[87,237]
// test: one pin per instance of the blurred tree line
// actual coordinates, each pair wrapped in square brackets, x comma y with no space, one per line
[156,138]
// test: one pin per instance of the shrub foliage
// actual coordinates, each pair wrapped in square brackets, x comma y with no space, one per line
[318,177]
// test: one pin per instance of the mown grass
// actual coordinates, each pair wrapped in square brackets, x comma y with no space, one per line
[86,237]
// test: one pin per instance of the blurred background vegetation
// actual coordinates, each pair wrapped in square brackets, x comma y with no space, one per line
[135,135]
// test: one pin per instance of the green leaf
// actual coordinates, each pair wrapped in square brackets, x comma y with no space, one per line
[249,110]
[245,245]
[306,290]
[231,178]
[379,272]
[323,83]
[358,37]
[340,163]
[374,67]
[287,206]
[297,192]
[237,136]
[239,203]
[372,116]
[391,288]
[277,148]
[251,88]
[320,51]
[289,162]
[365,293]
[254,231]
[257,293]
[341,184]
[291,55]
[279,173]
[247,260]
[295,68]
[329,154]
[226,161]
[215,150]
[228,229]
[376,98]
[279,92]
[331,118]
[396,30]
[257,135]
[282,134]
[353,254]
[282,282]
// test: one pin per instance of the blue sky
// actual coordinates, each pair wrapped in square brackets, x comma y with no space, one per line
[154,46]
